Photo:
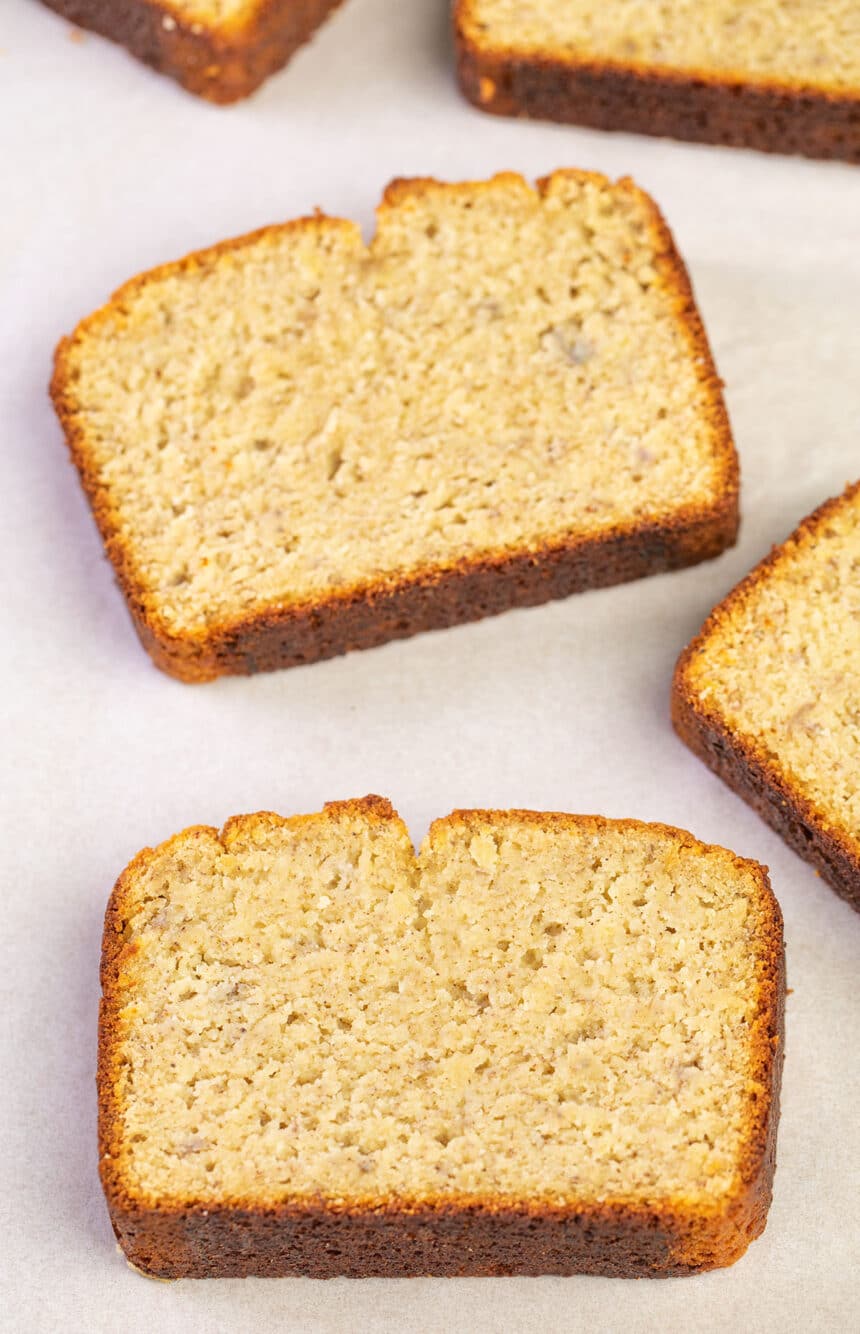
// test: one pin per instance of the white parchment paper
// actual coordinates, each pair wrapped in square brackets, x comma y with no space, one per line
[106,169]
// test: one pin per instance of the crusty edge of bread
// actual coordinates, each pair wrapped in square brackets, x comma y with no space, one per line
[742,762]
[401,1237]
[699,105]
[222,63]
[371,614]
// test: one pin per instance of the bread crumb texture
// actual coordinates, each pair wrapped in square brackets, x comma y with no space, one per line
[779,664]
[537,1007]
[295,414]
[780,41]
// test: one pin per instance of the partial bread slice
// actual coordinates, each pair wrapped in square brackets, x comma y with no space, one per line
[296,444]
[768,694]
[782,76]
[548,1044]
[220,49]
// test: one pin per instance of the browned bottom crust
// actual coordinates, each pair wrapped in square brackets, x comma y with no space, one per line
[458,1241]
[765,789]
[702,110]
[217,67]
[433,600]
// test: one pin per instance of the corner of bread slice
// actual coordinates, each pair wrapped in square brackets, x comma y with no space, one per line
[470,30]
[714,1235]
[755,753]
[137,895]
[196,653]
[720,514]
[713,522]
[187,656]
[225,54]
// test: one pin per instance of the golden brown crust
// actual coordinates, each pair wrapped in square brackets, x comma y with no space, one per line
[450,1236]
[743,763]
[370,614]
[772,116]
[222,63]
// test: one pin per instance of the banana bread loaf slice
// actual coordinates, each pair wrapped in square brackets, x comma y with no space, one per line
[548,1044]
[777,75]
[768,694]
[296,444]
[220,49]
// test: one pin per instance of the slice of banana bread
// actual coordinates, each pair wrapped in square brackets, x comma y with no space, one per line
[220,49]
[296,445]
[768,694]
[548,1044]
[777,75]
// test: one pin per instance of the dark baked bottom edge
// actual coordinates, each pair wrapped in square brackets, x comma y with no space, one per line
[765,790]
[435,600]
[200,60]
[772,120]
[455,1243]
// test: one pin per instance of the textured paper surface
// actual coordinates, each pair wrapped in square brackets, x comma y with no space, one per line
[106,169]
